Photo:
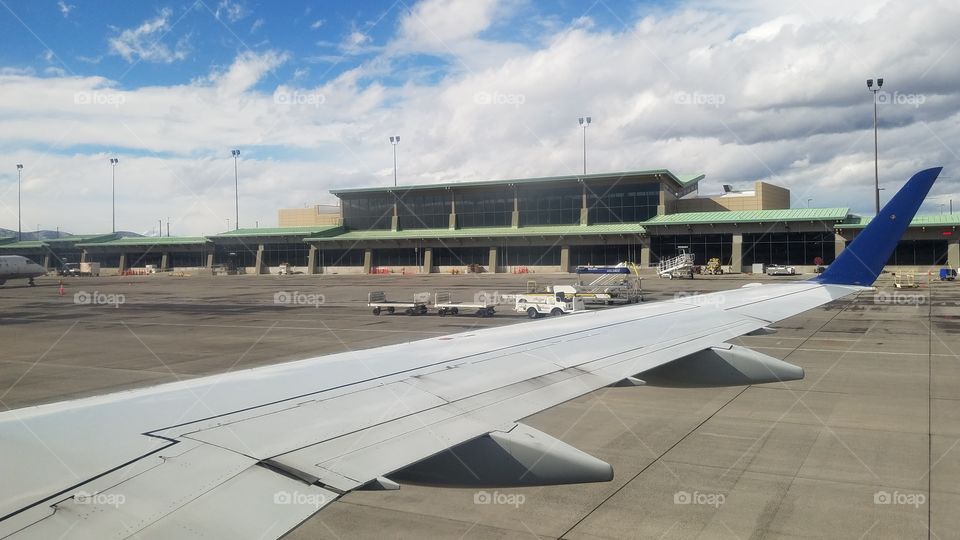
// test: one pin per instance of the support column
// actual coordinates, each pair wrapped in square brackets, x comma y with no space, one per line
[258,266]
[584,211]
[427,267]
[395,219]
[736,254]
[953,253]
[564,258]
[210,260]
[83,256]
[839,244]
[367,260]
[492,261]
[515,217]
[452,222]
[123,263]
[644,252]
[46,261]
[312,260]
[164,261]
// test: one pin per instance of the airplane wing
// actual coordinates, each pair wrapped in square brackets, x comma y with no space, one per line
[256,452]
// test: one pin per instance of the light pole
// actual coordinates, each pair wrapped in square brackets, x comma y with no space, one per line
[394,140]
[19,229]
[808,202]
[113,192]
[236,188]
[584,122]
[876,148]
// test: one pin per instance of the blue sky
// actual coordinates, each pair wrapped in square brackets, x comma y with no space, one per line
[213,32]
[740,90]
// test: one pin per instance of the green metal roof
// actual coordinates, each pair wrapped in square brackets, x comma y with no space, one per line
[487,232]
[683,180]
[933,220]
[26,244]
[316,230]
[149,241]
[751,216]
[79,238]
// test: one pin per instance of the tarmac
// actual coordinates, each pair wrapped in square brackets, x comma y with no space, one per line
[866,446]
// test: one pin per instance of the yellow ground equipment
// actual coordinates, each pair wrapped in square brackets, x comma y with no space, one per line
[713,267]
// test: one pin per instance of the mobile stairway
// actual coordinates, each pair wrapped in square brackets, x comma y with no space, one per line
[680,266]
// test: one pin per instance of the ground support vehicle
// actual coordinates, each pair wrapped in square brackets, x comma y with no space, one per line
[445,305]
[378,301]
[536,305]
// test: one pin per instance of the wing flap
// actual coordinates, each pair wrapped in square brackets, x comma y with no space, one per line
[257,503]
[202,492]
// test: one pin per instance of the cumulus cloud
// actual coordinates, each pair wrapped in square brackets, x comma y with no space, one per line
[145,42]
[431,24]
[452,29]
[231,11]
[739,94]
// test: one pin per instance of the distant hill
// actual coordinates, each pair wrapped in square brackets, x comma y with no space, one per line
[46,235]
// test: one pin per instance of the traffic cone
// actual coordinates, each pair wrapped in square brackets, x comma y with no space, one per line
[61,289]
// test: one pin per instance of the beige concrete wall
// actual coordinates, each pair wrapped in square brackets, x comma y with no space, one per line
[766,197]
[772,197]
[308,217]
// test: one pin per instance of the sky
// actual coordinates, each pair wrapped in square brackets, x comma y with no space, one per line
[310,92]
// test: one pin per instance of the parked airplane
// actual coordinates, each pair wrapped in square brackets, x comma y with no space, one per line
[17,267]
[252,454]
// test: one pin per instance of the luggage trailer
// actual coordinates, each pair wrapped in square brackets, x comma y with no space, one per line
[445,305]
[378,301]
[442,301]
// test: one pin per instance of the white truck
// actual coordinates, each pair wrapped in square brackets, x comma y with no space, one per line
[537,305]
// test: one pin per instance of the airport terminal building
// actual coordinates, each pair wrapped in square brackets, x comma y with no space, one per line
[526,225]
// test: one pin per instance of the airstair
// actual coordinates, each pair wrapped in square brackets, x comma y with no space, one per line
[680,266]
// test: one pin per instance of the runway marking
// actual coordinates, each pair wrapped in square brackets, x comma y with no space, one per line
[855,352]
[244,326]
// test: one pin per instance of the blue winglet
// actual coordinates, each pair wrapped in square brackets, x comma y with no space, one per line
[861,262]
